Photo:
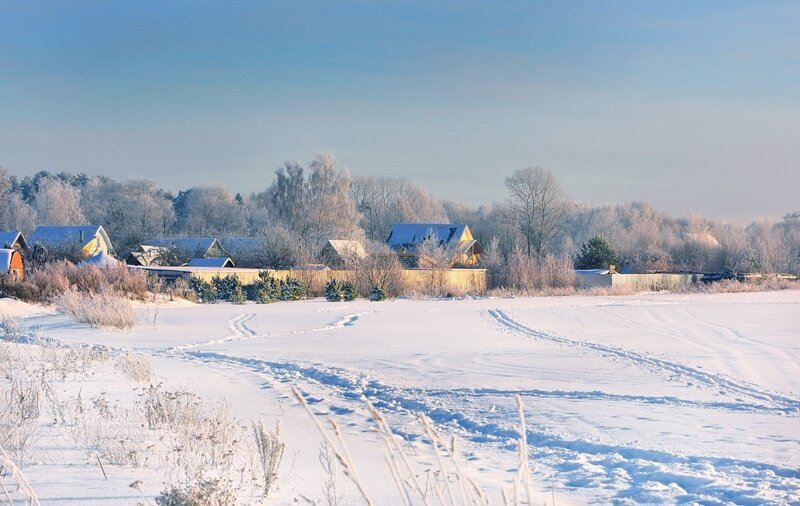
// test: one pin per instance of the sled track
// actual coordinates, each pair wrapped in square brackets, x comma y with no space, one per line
[240,331]
[631,472]
[723,383]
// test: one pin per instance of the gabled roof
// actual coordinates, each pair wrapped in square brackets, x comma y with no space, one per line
[346,248]
[210,262]
[10,237]
[410,234]
[68,234]
[193,245]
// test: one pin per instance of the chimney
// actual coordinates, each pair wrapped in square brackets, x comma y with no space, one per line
[612,269]
[81,236]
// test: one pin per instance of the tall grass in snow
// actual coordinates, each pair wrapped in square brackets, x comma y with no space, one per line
[450,470]
[103,309]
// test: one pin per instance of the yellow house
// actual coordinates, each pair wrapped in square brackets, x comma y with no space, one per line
[406,238]
[85,240]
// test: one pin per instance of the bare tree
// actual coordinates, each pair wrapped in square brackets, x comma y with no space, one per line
[536,207]
[383,201]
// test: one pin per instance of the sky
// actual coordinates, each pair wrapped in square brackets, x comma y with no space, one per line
[692,106]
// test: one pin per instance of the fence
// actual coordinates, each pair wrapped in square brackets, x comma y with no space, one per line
[453,280]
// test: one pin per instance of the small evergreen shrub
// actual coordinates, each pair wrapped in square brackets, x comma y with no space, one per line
[377,294]
[333,291]
[237,295]
[349,291]
[226,286]
[205,292]
[266,289]
[596,253]
[292,289]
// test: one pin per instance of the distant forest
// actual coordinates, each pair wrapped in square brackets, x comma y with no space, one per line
[307,204]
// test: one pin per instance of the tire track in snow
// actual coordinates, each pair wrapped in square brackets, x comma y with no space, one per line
[240,331]
[718,381]
[631,472]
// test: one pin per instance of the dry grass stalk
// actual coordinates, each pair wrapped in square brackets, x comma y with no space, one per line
[270,452]
[341,455]
[11,470]
[524,470]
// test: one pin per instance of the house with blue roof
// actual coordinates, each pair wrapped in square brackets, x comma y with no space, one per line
[13,239]
[406,238]
[81,240]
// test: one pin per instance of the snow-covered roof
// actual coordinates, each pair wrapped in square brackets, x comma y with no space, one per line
[194,245]
[68,234]
[211,262]
[595,272]
[347,248]
[409,234]
[5,260]
[235,245]
[10,237]
[102,260]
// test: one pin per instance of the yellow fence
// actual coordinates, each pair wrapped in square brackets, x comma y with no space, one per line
[455,281]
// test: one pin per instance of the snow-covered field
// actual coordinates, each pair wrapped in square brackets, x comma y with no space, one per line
[656,398]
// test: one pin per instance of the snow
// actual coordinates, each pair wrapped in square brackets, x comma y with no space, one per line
[656,398]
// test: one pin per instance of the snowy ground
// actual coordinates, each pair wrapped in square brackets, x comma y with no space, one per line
[656,398]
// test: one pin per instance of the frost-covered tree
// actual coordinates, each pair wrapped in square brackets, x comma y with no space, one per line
[536,207]
[383,201]
[21,215]
[209,211]
[58,203]
[312,202]
[131,212]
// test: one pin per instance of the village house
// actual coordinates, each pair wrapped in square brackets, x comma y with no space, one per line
[147,256]
[192,247]
[11,264]
[337,254]
[80,240]
[406,238]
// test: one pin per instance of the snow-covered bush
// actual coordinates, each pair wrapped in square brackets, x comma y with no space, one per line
[349,290]
[204,292]
[333,291]
[237,295]
[292,289]
[225,286]
[267,289]
[377,294]
[213,492]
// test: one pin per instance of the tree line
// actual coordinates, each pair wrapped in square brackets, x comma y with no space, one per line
[306,204]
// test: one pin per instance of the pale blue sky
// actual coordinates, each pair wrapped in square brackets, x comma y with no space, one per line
[694,106]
